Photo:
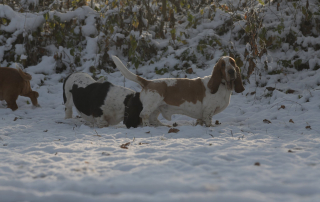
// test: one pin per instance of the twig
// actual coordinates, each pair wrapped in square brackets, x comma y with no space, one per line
[286,100]
[97,133]
[274,13]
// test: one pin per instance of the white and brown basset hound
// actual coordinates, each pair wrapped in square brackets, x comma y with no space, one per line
[199,98]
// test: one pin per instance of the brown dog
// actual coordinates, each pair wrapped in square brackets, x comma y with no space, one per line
[13,83]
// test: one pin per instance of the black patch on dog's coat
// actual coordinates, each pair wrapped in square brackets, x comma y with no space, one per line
[88,100]
[133,107]
[64,93]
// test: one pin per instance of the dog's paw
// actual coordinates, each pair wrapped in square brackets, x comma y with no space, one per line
[199,122]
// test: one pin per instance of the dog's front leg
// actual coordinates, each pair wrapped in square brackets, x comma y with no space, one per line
[208,123]
[207,118]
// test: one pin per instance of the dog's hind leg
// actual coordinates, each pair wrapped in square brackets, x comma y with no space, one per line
[11,103]
[148,110]
[11,98]
[153,119]
[101,122]
[68,108]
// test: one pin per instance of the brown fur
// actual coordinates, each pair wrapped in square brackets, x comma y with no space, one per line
[143,82]
[13,83]
[238,86]
[190,90]
[217,74]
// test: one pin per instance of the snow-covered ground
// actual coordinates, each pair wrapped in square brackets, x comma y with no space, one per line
[267,147]
[44,157]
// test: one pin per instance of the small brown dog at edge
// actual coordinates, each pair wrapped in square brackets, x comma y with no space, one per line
[13,83]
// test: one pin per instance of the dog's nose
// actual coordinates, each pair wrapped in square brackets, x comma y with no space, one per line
[231,71]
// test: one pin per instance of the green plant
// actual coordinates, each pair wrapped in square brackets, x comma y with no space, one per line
[161,71]
[132,52]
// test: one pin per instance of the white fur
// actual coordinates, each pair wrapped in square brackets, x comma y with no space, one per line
[169,82]
[113,108]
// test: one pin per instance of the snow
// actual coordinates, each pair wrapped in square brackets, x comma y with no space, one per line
[47,158]
[46,66]
[19,21]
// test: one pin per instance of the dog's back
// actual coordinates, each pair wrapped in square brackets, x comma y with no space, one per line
[10,79]
[13,83]
[88,100]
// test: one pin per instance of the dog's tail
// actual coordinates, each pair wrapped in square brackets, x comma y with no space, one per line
[129,75]
[25,76]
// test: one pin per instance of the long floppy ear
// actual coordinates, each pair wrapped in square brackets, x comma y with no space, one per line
[126,108]
[133,107]
[238,86]
[216,78]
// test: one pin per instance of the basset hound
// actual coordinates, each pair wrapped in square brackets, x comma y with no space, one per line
[101,103]
[15,82]
[199,98]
